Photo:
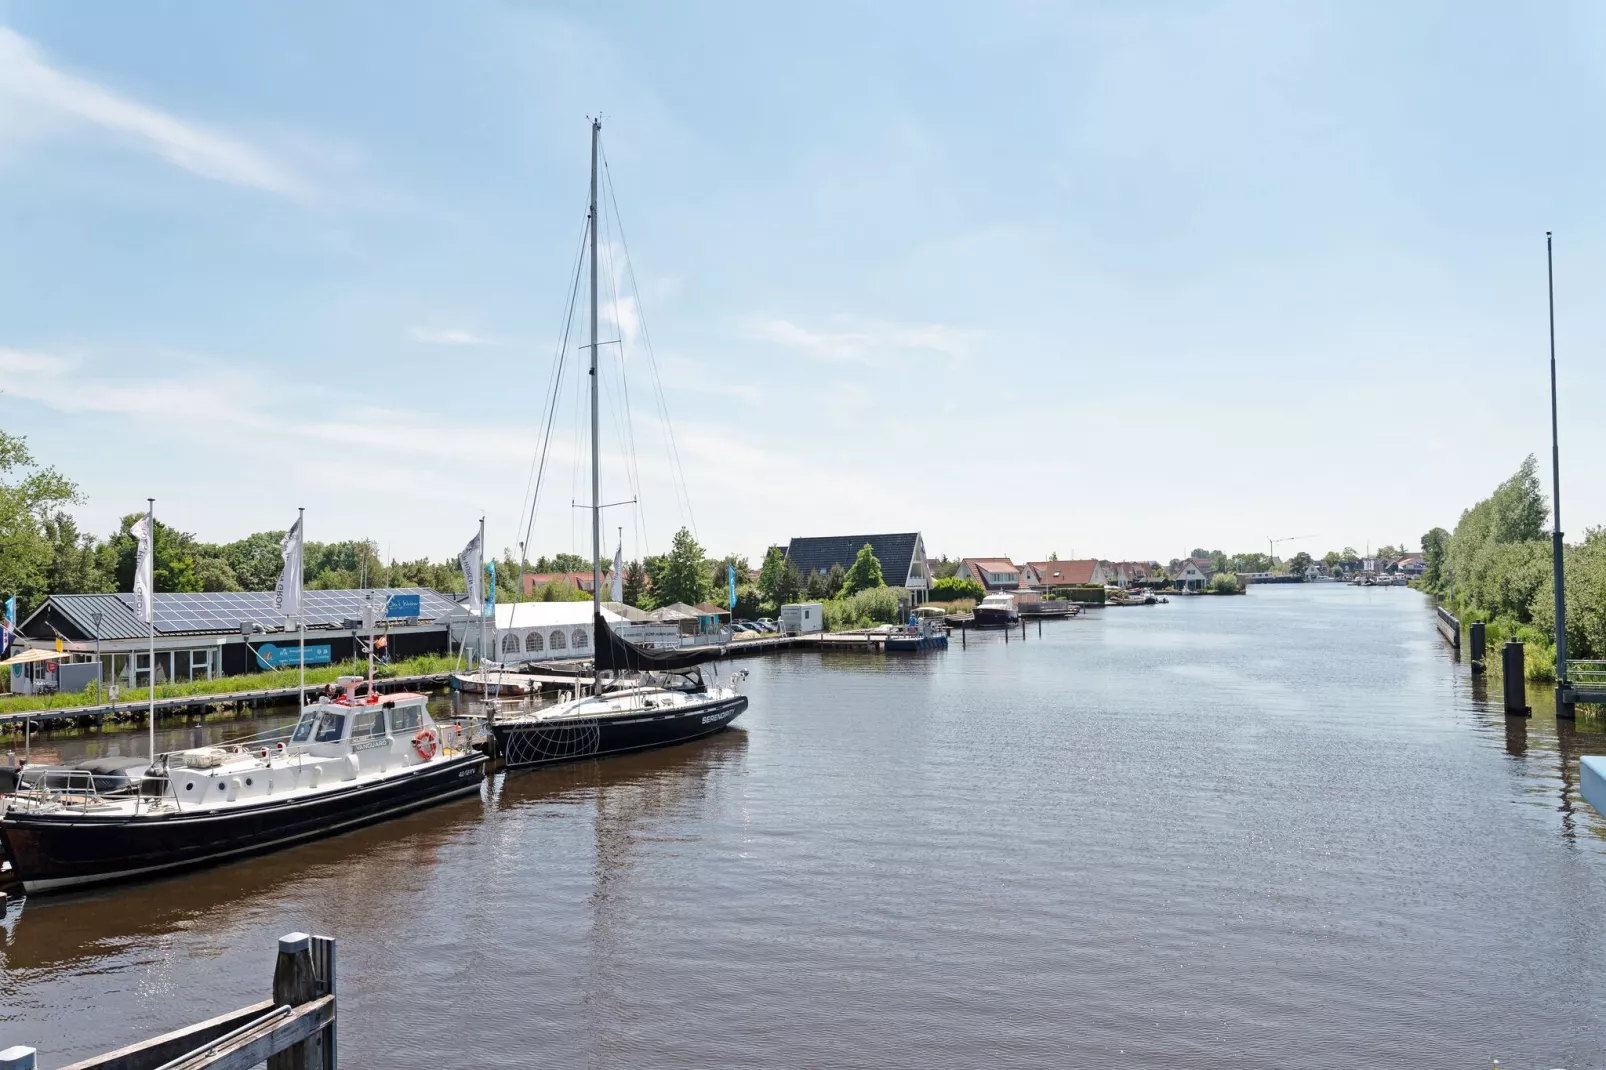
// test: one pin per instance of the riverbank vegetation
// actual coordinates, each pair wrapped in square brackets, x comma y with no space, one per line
[134,698]
[1495,567]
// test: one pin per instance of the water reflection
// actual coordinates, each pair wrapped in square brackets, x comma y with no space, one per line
[357,867]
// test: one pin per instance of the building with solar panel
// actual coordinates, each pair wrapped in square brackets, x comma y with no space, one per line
[228,633]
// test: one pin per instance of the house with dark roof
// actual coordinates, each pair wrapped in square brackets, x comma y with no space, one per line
[902,556]
[200,636]
[993,573]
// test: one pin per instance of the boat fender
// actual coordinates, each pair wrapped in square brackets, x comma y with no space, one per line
[425,744]
[351,767]
[234,789]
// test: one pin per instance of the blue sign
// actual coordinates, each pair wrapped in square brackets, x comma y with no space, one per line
[273,656]
[730,571]
[403,605]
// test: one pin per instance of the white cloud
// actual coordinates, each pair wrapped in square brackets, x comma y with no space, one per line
[28,82]
[447,336]
[859,341]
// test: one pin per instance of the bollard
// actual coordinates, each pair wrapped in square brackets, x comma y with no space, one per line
[18,1058]
[1475,639]
[295,982]
[1513,670]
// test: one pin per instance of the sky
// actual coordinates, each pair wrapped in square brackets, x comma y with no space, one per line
[1112,280]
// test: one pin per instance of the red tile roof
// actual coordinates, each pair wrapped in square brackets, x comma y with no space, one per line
[1064,573]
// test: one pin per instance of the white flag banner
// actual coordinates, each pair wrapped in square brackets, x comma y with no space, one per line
[469,561]
[287,595]
[619,573]
[144,582]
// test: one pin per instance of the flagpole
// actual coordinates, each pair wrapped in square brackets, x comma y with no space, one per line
[479,577]
[301,609]
[150,620]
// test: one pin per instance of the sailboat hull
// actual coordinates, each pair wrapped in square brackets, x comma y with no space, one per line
[526,744]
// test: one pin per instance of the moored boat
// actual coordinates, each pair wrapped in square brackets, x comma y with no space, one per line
[354,758]
[996,611]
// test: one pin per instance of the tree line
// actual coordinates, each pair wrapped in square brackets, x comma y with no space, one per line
[1496,566]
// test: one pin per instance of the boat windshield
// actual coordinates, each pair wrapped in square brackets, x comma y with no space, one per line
[303,730]
[330,726]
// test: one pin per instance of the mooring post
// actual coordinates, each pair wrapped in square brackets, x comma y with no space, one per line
[1023,627]
[1513,669]
[296,982]
[1039,627]
[5,901]
[1475,640]
[18,1058]
[964,639]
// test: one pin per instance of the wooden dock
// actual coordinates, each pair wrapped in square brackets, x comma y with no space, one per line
[294,1028]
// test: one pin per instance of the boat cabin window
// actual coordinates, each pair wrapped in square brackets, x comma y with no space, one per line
[303,730]
[407,718]
[369,724]
[330,727]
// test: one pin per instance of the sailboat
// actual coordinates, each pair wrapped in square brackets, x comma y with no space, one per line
[639,698]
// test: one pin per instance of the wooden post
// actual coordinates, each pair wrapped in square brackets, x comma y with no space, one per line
[1475,638]
[1512,668]
[1039,627]
[296,982]
[18,1058]
[964,639]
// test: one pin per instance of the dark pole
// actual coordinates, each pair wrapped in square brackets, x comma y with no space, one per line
[1563,707]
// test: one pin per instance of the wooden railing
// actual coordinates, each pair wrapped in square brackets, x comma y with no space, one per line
[295,1030]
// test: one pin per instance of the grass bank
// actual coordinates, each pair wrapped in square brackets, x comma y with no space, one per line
[257,681]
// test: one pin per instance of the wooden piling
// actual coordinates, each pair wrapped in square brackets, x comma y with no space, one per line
[1475,639]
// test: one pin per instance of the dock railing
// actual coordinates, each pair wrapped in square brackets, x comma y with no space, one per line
[295,1030]
[1449,627]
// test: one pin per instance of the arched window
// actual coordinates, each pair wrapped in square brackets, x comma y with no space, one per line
[510,643]
[557,641]
[533,643]
[579,639]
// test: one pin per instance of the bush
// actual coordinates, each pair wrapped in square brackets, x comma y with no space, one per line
[1089,594]
[953,588]
[879,605]
[1222,583]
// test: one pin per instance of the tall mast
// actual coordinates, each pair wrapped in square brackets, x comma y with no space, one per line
[596,477]
[1555,499]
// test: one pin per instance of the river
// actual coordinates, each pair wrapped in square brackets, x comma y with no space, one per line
[1279,830]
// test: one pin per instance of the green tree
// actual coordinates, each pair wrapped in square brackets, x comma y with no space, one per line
[953,588]
[635,585]
[770,574]
[563,563]
[834,578]
[74,564]
[814,588]
[30,496]
[865,573]
[790,588]
[1199,551]
[256,560]
[212,573]
[1218,562]
[684,578]
[1053,555]
[1435,544]
[1299,563]
[173,568]
[942,568]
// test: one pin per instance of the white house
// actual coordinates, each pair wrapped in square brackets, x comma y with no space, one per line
[1188,576]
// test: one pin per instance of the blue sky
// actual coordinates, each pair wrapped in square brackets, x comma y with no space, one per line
[1104,279]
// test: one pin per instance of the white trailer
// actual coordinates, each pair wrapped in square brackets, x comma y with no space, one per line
[802,618]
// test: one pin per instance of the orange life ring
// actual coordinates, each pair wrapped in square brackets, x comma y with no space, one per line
[424,743]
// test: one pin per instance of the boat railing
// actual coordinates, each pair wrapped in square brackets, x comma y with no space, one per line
[77,790]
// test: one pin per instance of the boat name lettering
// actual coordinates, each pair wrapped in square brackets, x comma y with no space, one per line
[370,744]
[711,717]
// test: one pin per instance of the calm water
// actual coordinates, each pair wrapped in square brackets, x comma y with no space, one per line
[1279,830]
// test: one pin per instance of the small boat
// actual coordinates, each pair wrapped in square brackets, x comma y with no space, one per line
[353,758]
[996,611]
[922,633]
